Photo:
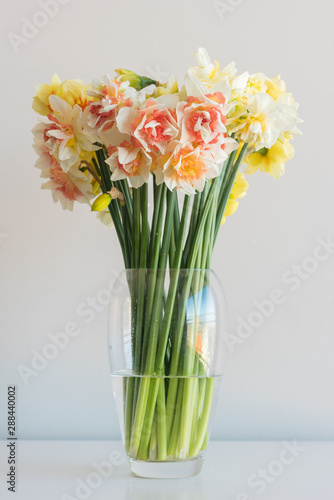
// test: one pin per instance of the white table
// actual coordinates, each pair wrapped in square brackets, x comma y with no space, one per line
[51,470]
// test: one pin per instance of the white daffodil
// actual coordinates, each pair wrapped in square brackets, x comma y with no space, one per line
[263,121]
[288,102]
[210,73]
[256,83]
[196,88]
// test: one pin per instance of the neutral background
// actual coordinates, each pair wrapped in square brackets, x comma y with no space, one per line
[279,381]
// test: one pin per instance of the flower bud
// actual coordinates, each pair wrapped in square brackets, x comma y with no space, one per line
[136,81]
[101,202]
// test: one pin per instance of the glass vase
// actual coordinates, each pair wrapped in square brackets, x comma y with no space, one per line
[166,356]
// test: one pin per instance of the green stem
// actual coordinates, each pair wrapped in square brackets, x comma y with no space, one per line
[113,207]
[160,356]
[150,405]
[174,416]
[161,421]
[140,299]
[157,306]
[128,411]
[192,226]
[153,262]
[153,441]
[186,415]
[194,407]
[136,229]
[227,184]
[145,406]
[203,422]
[200,227]
[138,422]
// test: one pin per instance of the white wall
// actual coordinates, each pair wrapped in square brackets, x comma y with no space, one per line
[279,382]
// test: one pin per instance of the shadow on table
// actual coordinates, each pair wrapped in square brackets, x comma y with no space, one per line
[162,489]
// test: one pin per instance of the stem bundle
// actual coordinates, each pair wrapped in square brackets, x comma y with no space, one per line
[168,395]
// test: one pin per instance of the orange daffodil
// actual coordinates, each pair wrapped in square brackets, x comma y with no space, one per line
[153,126]
[129,161]
[145,127]
[109,96]
[183,135]
[67,187]
[186,167]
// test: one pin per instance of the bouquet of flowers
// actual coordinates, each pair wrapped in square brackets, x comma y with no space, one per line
[103,144]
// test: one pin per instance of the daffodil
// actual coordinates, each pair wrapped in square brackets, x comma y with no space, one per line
[130,162]
[185,167]
[71,91]
[64,134]
[271,160]
[109,97]
[275,87]
[43,91]
[67,187]
[263,120]
[256,83]
[153,126]
[74,92]
[238,191]
[210,73]
[208,78]
[202,121]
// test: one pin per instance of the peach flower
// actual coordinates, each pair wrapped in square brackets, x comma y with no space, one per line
[153,126]
[129,161]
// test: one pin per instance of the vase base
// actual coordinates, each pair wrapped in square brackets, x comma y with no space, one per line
[166,470]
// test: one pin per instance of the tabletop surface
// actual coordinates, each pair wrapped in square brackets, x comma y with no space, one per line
[233,470]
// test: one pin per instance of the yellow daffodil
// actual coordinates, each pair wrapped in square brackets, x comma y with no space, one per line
[43,91]
[238,191]
[275,87]
[71,91]
[74,92]
[271,160]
